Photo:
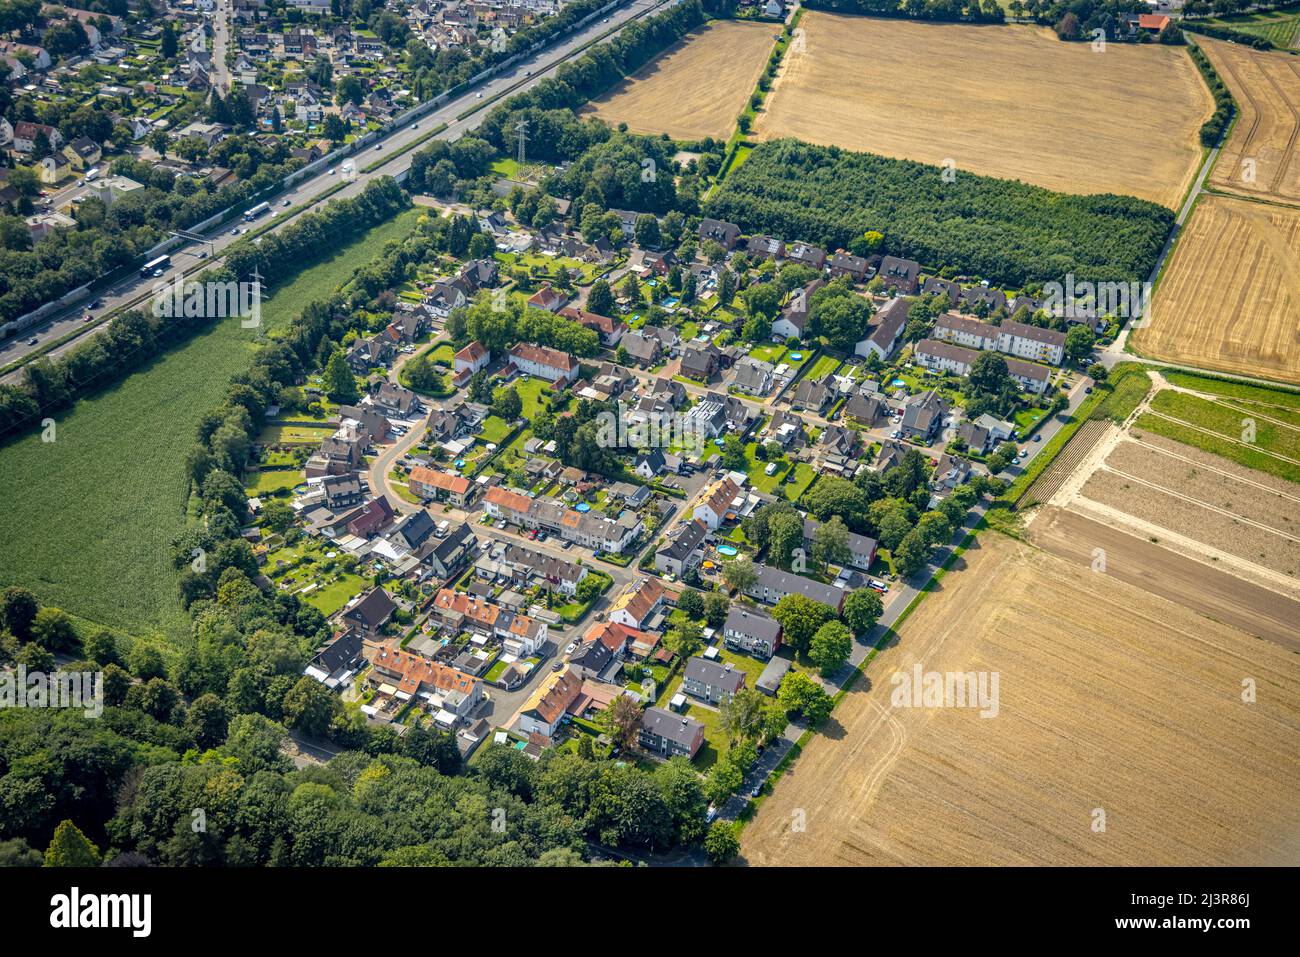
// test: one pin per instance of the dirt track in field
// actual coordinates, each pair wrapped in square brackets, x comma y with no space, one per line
[697,87]
[1259,158]
[1012,102]
[1110,699]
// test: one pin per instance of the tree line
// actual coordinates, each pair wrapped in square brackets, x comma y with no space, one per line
[110,237]
[1008,232]
[133,338]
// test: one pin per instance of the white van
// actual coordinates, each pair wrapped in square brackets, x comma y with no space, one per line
[92,174]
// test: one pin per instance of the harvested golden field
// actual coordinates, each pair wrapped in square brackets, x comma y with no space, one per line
[697,87]
[1259,158]
[1111,702]
[1230,296]
[1012,102]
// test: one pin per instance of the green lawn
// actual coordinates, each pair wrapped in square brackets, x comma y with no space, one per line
[1280,26]
[530,393]
[263,483]
[823,367]
[89,519]
[495,429]
[758,478]
[295,434]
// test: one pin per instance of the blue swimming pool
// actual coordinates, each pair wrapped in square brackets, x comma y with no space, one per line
[727,550]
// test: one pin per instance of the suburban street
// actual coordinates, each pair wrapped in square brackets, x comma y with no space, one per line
[220,46]
[310,191]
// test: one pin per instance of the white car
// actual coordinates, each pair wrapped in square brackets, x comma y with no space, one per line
[569,648]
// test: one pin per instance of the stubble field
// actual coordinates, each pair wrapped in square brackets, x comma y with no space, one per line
[1259,158]
[1011,102]
[1230,295]
[1113,702]
[696,88]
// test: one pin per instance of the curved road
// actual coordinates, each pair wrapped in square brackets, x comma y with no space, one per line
[309,191]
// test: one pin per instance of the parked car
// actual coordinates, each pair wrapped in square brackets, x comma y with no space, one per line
[569,648]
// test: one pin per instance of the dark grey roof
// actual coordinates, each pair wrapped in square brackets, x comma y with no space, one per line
[787,582]
[751,623]
[373,610]
[674,727]
[714,674]
[686,541]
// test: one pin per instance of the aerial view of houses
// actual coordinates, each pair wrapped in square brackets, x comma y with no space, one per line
[439,449]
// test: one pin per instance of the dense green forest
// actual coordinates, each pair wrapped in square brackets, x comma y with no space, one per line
[1007,232]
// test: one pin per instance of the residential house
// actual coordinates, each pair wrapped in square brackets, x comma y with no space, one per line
[885,329]
[716,503]
[433,485]
[341,491]
[446,556]
[711,681]
[682,550]
[544,710]
[642,350]
[638,604]
[723,233]
[369,613]
[754,376]
[813,395]
[366,354]
[442,687]
[950,472]
[974,436]
[751,632]
[862,548]
[900,274]
[395,400]
[867,411]
[846,264]
[544,362]
[945,357]
[806,254]
[923,416]
[701,362]
[548,298]
[773,584]
[794,317]
[610,330]
[670,735]
[766,247]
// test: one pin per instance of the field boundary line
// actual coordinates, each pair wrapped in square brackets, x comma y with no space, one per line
[1224,405]
[1200,552]
[1195,501]
[1211,468]
[1226,438]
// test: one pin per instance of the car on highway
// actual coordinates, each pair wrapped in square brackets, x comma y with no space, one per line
[235,231]
[526,73]
[87,317]
[478,96]
[157,274]
[415,126]
[285,203]
[379,146]
[331,171]
[33,341]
